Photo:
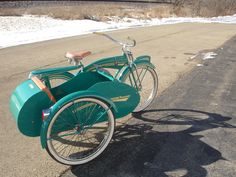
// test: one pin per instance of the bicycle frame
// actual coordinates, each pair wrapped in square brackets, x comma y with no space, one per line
[122,63]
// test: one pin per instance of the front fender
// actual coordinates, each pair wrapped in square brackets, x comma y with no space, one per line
[57,106]
[141,60]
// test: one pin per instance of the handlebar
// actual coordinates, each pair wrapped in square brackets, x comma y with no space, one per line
[124,45]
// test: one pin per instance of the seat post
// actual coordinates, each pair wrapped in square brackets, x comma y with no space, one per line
[82,66]
[77,57]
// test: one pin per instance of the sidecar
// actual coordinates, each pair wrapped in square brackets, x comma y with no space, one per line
[31,97]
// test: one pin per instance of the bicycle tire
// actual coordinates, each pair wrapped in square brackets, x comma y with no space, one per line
[150,77]
[54,80]
[84,140]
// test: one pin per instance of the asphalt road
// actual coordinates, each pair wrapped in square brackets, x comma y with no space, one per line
[171,48]
[190,130]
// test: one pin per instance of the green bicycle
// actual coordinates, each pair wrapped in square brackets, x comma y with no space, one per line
[74,114]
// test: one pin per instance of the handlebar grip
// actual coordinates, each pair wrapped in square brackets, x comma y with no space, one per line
[116,41]
[134,42]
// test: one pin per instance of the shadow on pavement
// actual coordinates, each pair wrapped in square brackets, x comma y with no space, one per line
[164,142]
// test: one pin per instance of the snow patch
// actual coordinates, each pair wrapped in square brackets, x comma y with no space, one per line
[209,55]
[28,29]
[199,65]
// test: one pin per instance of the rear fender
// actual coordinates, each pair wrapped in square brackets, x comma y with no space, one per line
[59,70]
[56,107]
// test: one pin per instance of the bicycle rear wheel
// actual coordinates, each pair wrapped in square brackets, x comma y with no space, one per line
[80,131]
[54,80]
[147,86]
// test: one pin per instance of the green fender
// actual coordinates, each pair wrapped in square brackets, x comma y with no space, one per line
[141,60]
[58,70]
[65,100]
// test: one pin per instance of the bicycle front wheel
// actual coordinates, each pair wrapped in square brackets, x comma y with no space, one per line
[80,131]
[145,79]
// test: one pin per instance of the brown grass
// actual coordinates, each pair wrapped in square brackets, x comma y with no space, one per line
[205,8]
[98,12]
[102,11]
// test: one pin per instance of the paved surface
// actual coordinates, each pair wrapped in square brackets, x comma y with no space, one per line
[189,131]
[170,46]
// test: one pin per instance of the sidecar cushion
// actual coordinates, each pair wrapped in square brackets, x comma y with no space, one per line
[41,86]
[77,55]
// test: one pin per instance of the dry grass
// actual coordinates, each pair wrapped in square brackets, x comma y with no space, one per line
[98,12]
[205,8]
[102,11]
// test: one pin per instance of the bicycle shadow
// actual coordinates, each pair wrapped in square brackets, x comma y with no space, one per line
[158,143]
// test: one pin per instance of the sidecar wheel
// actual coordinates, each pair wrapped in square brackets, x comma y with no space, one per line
[80,131]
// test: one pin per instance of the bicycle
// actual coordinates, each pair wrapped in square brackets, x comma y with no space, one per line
[79,112]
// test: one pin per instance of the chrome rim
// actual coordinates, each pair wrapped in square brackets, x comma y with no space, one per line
[76,133]
[147,86]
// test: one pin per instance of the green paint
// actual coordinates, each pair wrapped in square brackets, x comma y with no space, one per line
[54,70]
[28,101]
[26,105]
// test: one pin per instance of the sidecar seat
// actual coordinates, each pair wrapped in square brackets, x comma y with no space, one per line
[43,87]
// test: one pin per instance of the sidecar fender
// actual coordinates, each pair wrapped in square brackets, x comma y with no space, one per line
[56,107]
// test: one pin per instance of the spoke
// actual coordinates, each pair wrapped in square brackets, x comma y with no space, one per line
[139,74]
[72,145]
[90,137]
[79,139]
[93,143]
[61,145]
[64,151]
[91,114]
[61,121]
[56,133]
[98,118]
[76,141]
[59,128]
[73,112]
[85,138]
[88,130]
[141,80]
[92,110]
[76,137]
[130,80]
[94,116]
[64,135]
[88,108]
[61,118]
